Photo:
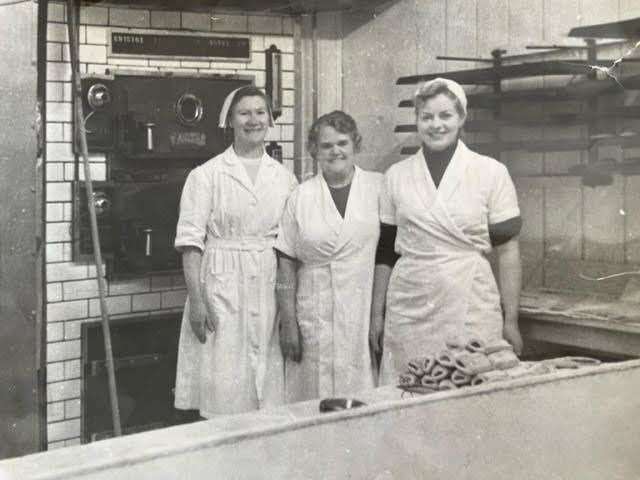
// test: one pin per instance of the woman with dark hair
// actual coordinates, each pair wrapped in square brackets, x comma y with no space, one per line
[327,243]
[229,360]
[450,206]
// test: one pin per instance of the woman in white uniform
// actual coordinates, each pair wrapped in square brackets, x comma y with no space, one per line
[327,243]
[450,206]
[229,358]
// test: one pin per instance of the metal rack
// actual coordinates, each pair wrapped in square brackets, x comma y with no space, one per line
[598,77]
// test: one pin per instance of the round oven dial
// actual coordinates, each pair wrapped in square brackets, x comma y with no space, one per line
[98,95]
[189,109]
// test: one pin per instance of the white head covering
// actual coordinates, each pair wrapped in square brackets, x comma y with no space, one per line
[454,87]
[224,111]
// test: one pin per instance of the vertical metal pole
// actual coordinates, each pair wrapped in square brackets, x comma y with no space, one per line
[316,80]
[592,124]
[497,90]
[81,135]
[41,343]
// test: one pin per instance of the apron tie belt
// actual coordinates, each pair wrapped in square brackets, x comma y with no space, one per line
[244,244]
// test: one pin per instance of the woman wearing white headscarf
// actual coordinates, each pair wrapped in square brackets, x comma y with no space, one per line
[229,359]
[450,206]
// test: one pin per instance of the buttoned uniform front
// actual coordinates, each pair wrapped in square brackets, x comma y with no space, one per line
[334,285]
[442,286]
[234,222]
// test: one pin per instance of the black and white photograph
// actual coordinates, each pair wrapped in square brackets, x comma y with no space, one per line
[320,239]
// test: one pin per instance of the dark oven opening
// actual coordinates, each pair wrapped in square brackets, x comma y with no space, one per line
[145,353]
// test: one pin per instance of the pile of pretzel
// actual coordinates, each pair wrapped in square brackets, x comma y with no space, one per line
[462,363]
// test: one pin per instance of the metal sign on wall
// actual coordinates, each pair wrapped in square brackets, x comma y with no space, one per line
[176,45]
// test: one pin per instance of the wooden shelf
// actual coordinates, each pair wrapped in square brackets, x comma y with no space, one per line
[623,29]
[582,90]
[554,120]
[492,126]
[580,320]
[489,75]
[542,145]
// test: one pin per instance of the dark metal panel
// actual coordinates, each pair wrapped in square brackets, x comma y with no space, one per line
[145,353]
[18,206]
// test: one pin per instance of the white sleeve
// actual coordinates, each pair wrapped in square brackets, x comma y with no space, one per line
[288,230]
[293,182]
[503,199]
[195,209]
[386,202]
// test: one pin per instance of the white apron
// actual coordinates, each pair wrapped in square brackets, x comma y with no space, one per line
[335,281]
[239,368]
[442,285]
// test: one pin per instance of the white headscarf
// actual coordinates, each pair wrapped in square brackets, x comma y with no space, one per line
[454,87]
[224,111]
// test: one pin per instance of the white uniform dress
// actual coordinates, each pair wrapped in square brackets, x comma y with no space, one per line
[234,223]
[442,285]
[335,282]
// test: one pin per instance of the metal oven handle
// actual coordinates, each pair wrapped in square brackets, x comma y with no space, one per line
[98,367]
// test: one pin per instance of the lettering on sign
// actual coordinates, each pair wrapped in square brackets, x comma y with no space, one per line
[179,45]
[188,139]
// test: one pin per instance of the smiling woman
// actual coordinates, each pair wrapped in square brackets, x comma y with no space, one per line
[447,203]
[440,116]
[326,243]
[250,117]
[228,359]
[333,143]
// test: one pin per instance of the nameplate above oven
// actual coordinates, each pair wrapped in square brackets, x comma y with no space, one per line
[175,45]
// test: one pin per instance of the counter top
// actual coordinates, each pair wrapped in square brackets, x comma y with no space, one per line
[593,322]
[218,434]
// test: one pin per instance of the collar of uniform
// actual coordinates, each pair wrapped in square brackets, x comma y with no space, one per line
[355,174]
[326,203]
[235,169]
[453,173]
[231,158]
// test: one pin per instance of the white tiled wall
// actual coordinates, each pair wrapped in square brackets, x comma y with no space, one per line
[72,289]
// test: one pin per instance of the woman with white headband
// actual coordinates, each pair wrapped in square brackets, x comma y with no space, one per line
[229,359]
[450,207]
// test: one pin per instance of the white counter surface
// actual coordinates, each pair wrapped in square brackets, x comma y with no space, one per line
[583,421]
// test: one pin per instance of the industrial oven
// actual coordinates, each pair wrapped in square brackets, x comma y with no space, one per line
[145,355]
[153,129]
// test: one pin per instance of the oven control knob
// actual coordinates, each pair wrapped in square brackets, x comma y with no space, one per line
[101,202]
[98,96]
